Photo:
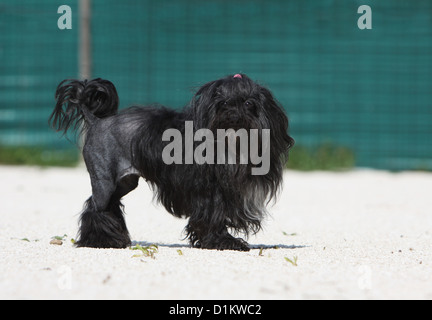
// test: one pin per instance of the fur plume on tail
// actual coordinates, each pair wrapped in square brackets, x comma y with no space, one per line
[81,103]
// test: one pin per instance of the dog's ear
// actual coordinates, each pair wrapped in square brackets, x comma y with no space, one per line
[203,104]
[277,119]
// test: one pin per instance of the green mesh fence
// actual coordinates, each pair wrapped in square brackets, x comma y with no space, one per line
[34,56]
[367,90]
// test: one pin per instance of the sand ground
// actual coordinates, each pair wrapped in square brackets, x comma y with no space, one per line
[362,234]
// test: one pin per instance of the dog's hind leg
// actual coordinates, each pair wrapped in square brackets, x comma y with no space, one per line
[102,224]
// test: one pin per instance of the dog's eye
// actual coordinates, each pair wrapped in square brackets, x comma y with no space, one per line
[248,103]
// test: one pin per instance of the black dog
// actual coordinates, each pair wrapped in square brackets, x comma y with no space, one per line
[122,146]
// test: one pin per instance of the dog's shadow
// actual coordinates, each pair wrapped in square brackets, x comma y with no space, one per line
[167,245]
[185,245]
[275,246]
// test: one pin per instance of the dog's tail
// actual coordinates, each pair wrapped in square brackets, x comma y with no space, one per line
[81,103]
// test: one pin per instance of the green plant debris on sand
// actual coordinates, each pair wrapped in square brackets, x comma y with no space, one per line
[293,261]
[25,239]
[148,251]
[58,240]
[59,237]
[289,234]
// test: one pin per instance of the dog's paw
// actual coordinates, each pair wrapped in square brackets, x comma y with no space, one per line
[223,242]
[233,244]
[104,243]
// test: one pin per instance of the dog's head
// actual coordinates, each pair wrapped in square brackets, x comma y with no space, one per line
[232,102]
[237,102]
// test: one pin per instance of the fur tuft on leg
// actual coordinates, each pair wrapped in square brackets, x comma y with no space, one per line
[106,229]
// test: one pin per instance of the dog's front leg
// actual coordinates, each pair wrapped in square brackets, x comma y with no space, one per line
[207,230]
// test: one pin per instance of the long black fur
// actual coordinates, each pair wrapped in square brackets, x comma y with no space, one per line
[121,146]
